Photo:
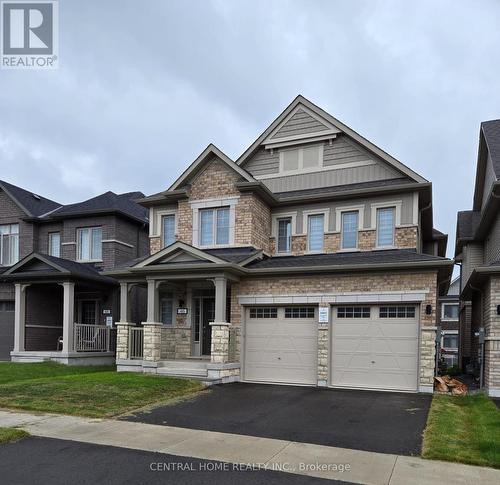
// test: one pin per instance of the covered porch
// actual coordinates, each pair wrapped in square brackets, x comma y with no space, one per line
[63,312]
[187,331]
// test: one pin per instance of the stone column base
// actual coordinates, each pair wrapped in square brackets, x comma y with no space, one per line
[152,341]
[122,339]
[219,353]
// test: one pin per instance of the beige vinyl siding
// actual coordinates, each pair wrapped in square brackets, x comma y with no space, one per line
[299,124]
[489,178]
[406,210]
[492,242]
[327,178]
[342,150]
[473,257]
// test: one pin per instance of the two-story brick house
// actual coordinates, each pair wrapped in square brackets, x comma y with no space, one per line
[478,250]
[311,259]
[51,262]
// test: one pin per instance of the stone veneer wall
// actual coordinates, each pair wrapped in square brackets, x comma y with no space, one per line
[425,281]
[491,322]
[405,238]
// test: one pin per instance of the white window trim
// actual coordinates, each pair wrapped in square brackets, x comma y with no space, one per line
[446,319]
[78,260]
[448,332]
[301,168]
[214,204]
[166,214]
[360,209]
[12,263]
[274,228]
[397,220]
[155,228]
[305,225]
[51,235]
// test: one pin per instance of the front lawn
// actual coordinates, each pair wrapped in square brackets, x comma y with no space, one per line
[85,391]
[11,434]
[464,429]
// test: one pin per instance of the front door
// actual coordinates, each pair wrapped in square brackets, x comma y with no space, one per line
[208,315]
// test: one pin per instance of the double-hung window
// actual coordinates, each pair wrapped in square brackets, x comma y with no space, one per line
[168,229]
[89,244]
[316,231]
[55,244]
[285,235]
[350,229]
[167,309]
[214,226]
[9,244]
[385,227]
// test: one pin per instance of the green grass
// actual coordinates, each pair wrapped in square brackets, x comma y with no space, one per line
[85,391]
[11,434]
[463,429]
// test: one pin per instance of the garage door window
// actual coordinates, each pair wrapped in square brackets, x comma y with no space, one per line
[397,312]
[265,312]
[299,312]
[353,312]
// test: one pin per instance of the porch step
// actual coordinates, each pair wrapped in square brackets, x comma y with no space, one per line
[183,364]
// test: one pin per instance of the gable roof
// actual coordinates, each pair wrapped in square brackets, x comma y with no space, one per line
[108,202]
[205,156]
[336,124]
[491,131]
[38,265]
[32,204]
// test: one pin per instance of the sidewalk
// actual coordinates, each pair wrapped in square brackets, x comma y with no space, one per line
[286,456]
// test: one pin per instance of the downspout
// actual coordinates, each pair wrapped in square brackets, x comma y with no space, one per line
[481,344]
[427,207]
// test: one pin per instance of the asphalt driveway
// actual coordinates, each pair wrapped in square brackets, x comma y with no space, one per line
[383,422]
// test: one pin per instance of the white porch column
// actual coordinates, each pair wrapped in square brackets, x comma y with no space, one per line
[19,317]
[153,302]
[124,306]
[220,299]
[68,316]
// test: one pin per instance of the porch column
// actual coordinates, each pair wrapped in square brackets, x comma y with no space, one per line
[124,306]
[152,301]
[19,317]
[220,328]
[68,316]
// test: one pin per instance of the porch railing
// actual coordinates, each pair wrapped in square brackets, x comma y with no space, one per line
[92,338]
[136,343]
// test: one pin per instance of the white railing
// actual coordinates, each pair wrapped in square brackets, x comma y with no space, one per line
[136,343]
[92,338]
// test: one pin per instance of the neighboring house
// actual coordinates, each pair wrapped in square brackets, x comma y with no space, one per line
[311,259]
[52,256]
[449,322]
[478,250]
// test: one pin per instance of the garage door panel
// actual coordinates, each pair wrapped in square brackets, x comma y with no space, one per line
[375,352]
[281,349]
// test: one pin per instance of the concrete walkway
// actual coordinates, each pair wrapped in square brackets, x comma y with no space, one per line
[287,456]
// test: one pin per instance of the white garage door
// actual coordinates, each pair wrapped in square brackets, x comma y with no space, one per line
[281,345]
[375,347]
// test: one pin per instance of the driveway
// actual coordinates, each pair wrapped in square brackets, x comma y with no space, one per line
[383,422]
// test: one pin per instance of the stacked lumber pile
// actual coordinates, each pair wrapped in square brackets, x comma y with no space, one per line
[448,385]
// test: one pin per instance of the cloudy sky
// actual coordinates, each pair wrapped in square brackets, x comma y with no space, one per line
[143,87]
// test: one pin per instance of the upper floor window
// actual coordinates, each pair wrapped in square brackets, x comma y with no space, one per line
[285,235]
[316,231]
[9,244]
[449,311]
[214,226]
[55,244]
[349,234]
[385,227]
[168,229]
[89,244]
[301,159]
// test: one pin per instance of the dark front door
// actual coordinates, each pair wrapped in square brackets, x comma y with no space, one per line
[6,329]
[208,315]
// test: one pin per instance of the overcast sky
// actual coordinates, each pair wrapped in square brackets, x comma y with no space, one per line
[143,87]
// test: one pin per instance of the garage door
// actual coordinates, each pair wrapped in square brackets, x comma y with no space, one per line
[280,345]
[375,347]
[6,329]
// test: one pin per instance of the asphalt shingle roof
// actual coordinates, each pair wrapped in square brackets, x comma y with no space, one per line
[109,201]
[491,130]
[354,258]
[35,204]
[233,255]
